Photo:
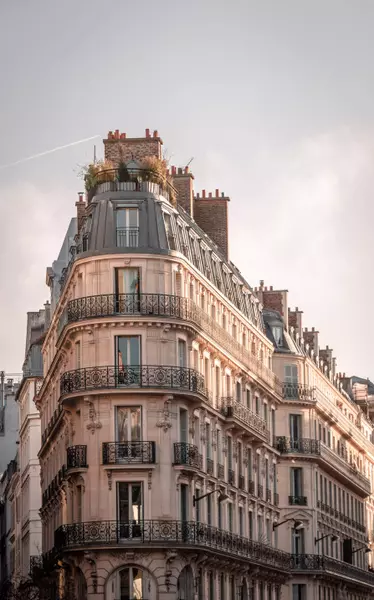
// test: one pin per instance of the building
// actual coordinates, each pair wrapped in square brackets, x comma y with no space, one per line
[8,485]
[325,441]
[158,399]
[8,419]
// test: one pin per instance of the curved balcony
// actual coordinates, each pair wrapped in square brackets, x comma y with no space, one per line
[128,453]
[187,455]
[114,377]
[164,305]
[297,392]
[165,533]
[132,180]
[243,416]
[312,563]
[76,457]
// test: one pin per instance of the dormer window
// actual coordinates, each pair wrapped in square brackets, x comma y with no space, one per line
[277,335]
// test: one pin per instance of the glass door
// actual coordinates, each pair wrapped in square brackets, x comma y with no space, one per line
[127,227]
[128,434]
[129,509]
[128,362]
[127,291]
[295,431]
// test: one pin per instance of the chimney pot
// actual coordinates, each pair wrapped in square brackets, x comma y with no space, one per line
[262,283]
[122,136]
[210,194]
[197,195]
[266,289]
[180,171]
[117,134]
[217,193]
[271,288]
[110,135]
[155,133]
[173,170]
[187,170]
[297,308]
[147,134]
[203,193]
[223,195]
[80,196]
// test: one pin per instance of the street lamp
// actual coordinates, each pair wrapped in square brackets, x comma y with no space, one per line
[334,538]
[221,496]
[297,524]
[365,548]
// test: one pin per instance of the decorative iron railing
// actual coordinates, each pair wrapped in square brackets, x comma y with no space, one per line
[299,446]
[315,562]
[164,533]
[129,453]
[298,500]
[76,457]
[231,408]
[188,455]
[297,391]
[107,377]
[132,180]
[127,237]
[107,305]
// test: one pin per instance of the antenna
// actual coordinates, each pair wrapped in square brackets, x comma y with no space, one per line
[94,157]
[190,161]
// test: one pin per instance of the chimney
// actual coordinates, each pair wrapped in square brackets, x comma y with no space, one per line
[120,148]
[81,211]
[211,214]
[311,338]
[274,300]
[47,315]
[182,181]
[295,319]
[325,354]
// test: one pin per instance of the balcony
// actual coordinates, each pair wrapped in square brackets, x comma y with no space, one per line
[187,455]
[114,377]
[129,453]
[175,307]
[336,464]
[318,565]
[76,457]
[297,500]
[285,445]
[164,534]
[243,417]
[132,180]
[298,392]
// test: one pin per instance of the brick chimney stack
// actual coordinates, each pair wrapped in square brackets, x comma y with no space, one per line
[182,181]
[311,338]
[295,319]
[81,211]
[211,214]
[273,300]
[119,148]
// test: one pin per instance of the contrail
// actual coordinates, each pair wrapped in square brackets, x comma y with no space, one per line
[22,160]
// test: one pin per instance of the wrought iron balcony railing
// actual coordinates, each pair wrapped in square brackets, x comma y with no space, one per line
[127,237]
[76,457]
[297,391]
[315,562]
[231,408]
[188,455]
[108,377]
[164,533]
[132,180]
[107,305]
[129,453]
[299,446]
[298,500]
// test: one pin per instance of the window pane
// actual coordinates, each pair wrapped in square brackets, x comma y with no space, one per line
[128,281]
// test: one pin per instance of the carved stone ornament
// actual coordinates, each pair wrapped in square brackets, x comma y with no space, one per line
[94,422]
[191,429]
[149,480]
[109,475]
[165,421]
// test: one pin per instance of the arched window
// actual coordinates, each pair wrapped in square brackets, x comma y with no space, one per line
[128,583]
[186,584]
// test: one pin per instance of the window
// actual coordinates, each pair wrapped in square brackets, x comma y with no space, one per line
[296,481]
[222,587]
[77,355]
[169,232]
[299,591]
[182,353]
[129,508]
[127,223]
[248,398]
[197,505]
[297,541]
[128,360]
[238,389]
[211,586]
[128,282]
[257,405]
[295,427]
[277,335]
[219,447]
[230,517]
[79,500]
[183,425]
[250,525]
[209,509]
[129,583]
[184,502]
[128,424]
[290,381]
[241,524]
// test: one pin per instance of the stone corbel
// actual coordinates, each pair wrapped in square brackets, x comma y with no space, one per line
[94,422]
[165,421]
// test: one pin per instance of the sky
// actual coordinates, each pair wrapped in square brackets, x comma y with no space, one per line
[272,99]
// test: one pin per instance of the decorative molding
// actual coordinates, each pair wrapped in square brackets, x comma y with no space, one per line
[165,422]
[149,479]
[109,475]
[94,422]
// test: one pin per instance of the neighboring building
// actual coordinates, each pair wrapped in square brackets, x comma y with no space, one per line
[8,419]
[29,542]
[9,524]
[326,463]
[157,391]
